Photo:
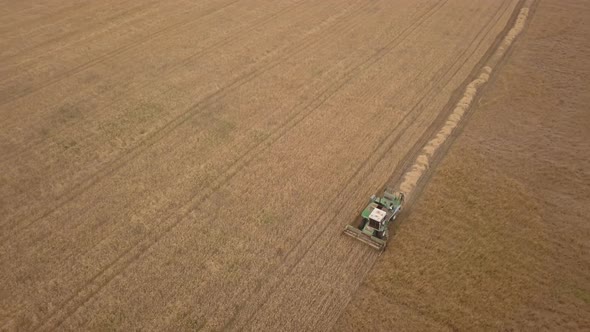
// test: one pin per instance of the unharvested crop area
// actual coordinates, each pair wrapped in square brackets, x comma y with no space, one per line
[177,165]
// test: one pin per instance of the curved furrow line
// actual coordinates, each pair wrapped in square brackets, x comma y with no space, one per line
[233,324]
[368,255]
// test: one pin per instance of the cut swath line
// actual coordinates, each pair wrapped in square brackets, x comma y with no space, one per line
[421,165]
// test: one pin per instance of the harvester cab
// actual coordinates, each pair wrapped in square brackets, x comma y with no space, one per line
[372,226]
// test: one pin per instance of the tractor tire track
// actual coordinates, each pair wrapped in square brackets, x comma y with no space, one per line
[197,108]
[293,120]
[248,152]
[254,150]
[325,298]
[151,241]
[68,11]
[112,54]
[72,33]
[156,237]
[340,195]
[221,181]
[49,16]
[175,123]
[439,155]
[208,50]
[490,27]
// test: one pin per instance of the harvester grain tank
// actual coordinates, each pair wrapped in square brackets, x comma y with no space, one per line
[372,226]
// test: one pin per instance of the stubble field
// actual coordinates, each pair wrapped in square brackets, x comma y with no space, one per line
[181,165]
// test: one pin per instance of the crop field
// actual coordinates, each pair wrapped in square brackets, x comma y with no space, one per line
[181,165]
[498,241]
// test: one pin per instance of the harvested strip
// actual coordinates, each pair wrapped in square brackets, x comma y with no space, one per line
[422,163]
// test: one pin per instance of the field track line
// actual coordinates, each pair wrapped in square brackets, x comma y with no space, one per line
[371,91]
[187,22]
[142,250]
[341,193]
[206,101]
[292,117]
[148,245]
[71,10]
[390,145]
[198,54]
[458,93]
[113,53]
[68,34]
[249,151]
[490,27]
[50,19]
[161,133]
[496,64]
[20,12]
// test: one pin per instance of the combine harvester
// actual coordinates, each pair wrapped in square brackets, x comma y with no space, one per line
[372,226]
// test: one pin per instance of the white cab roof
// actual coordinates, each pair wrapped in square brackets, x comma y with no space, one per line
[377,214]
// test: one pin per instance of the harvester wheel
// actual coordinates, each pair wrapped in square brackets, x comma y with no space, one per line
[363,223]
